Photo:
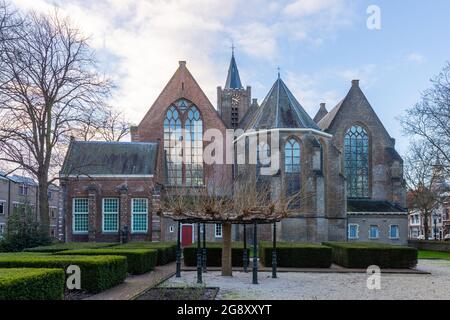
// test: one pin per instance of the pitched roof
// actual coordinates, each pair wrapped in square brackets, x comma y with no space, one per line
[327,120]
[321,113]
[110,158]
[279,110]
[233,79]
[249,115]
[22,180]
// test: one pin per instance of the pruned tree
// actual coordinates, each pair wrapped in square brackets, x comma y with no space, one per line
[48,80]
[429,119]
[423,181]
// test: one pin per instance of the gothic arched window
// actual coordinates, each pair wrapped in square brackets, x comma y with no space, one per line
[183,140]
[292,168]
[356,148]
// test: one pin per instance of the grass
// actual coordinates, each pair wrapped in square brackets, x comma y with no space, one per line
[423,254]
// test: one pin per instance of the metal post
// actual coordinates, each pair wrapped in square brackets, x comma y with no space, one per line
[255,254]
[274,252]
[204,248]
[199,256]
[179,251]
[245,253]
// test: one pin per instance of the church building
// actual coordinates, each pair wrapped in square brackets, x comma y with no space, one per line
[342,163]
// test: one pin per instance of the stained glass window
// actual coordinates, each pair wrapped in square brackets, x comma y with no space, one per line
[356,148]
[183,143]
[173,146]
[194,148]
[292,167]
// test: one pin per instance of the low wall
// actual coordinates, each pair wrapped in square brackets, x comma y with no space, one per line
[430,245]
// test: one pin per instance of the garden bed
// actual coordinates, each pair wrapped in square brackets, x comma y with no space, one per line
[363,255]
[139,261]
[98,273]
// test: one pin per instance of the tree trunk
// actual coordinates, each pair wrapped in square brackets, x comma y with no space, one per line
[425,226]
[227,270]
[44,218]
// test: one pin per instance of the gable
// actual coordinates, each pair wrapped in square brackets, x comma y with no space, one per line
[182,85]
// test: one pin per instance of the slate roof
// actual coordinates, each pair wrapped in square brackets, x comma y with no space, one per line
[110,158]
[374,206]
[280,110]
[327,120]
[233,79]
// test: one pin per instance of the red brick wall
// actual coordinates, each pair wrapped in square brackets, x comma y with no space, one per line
[100,188]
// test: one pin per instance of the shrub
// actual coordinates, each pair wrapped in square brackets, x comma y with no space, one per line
[98,273]
[70,246]
[296,255]
[139,260]
[214,255]
[167,251]
[363,255]
[31,284]
[24,231]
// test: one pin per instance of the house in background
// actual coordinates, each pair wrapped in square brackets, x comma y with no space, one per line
[17,192]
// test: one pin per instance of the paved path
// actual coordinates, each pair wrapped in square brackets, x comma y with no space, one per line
[135,285]
[332,286]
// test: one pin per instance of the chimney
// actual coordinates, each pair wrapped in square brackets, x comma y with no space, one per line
[323,105]
[182,63]
[355,83]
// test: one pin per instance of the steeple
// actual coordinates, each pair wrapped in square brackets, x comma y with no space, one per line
[233,79]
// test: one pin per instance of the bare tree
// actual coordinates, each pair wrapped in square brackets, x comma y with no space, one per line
[47,81]
[430,118]
[422,178]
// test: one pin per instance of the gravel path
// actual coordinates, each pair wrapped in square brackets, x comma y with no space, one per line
[322,286]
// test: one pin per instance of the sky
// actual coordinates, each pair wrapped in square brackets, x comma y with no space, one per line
[319,46]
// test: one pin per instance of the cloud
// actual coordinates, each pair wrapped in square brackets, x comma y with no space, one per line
[139,42]
[365,73]
[415,57]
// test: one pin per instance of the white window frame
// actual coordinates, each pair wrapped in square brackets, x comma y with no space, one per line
[3,202]
[139,213]
[357,231]
[103,215]
[215,230]
[79,213]
[171,229]
[23,190]
[398,232]
[378,232]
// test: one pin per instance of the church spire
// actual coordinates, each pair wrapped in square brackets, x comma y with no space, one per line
[233,79]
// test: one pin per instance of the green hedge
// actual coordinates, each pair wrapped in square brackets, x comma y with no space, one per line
[214,255]
[98,273]
[70,246]
[166,250]
[363,255]
[139,260]
[296,255]
[31,284]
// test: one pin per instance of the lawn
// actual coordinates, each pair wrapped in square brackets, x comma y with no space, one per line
[423,254]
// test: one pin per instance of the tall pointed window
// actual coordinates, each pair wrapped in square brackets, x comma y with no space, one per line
[292,168]
[356,148]
[183,143]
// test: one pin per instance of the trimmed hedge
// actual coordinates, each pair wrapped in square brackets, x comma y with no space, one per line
[430,245]
[31,284]
[139,260]
[98,273]
[296,255]
[363,255]
[167,251]
[214,255]
[70,246]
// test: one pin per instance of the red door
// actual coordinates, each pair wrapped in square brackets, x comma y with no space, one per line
[186,235]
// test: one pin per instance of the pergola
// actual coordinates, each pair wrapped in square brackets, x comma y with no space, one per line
[255,218]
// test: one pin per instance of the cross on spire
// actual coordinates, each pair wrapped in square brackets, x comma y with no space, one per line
[232,48]
[279,72]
